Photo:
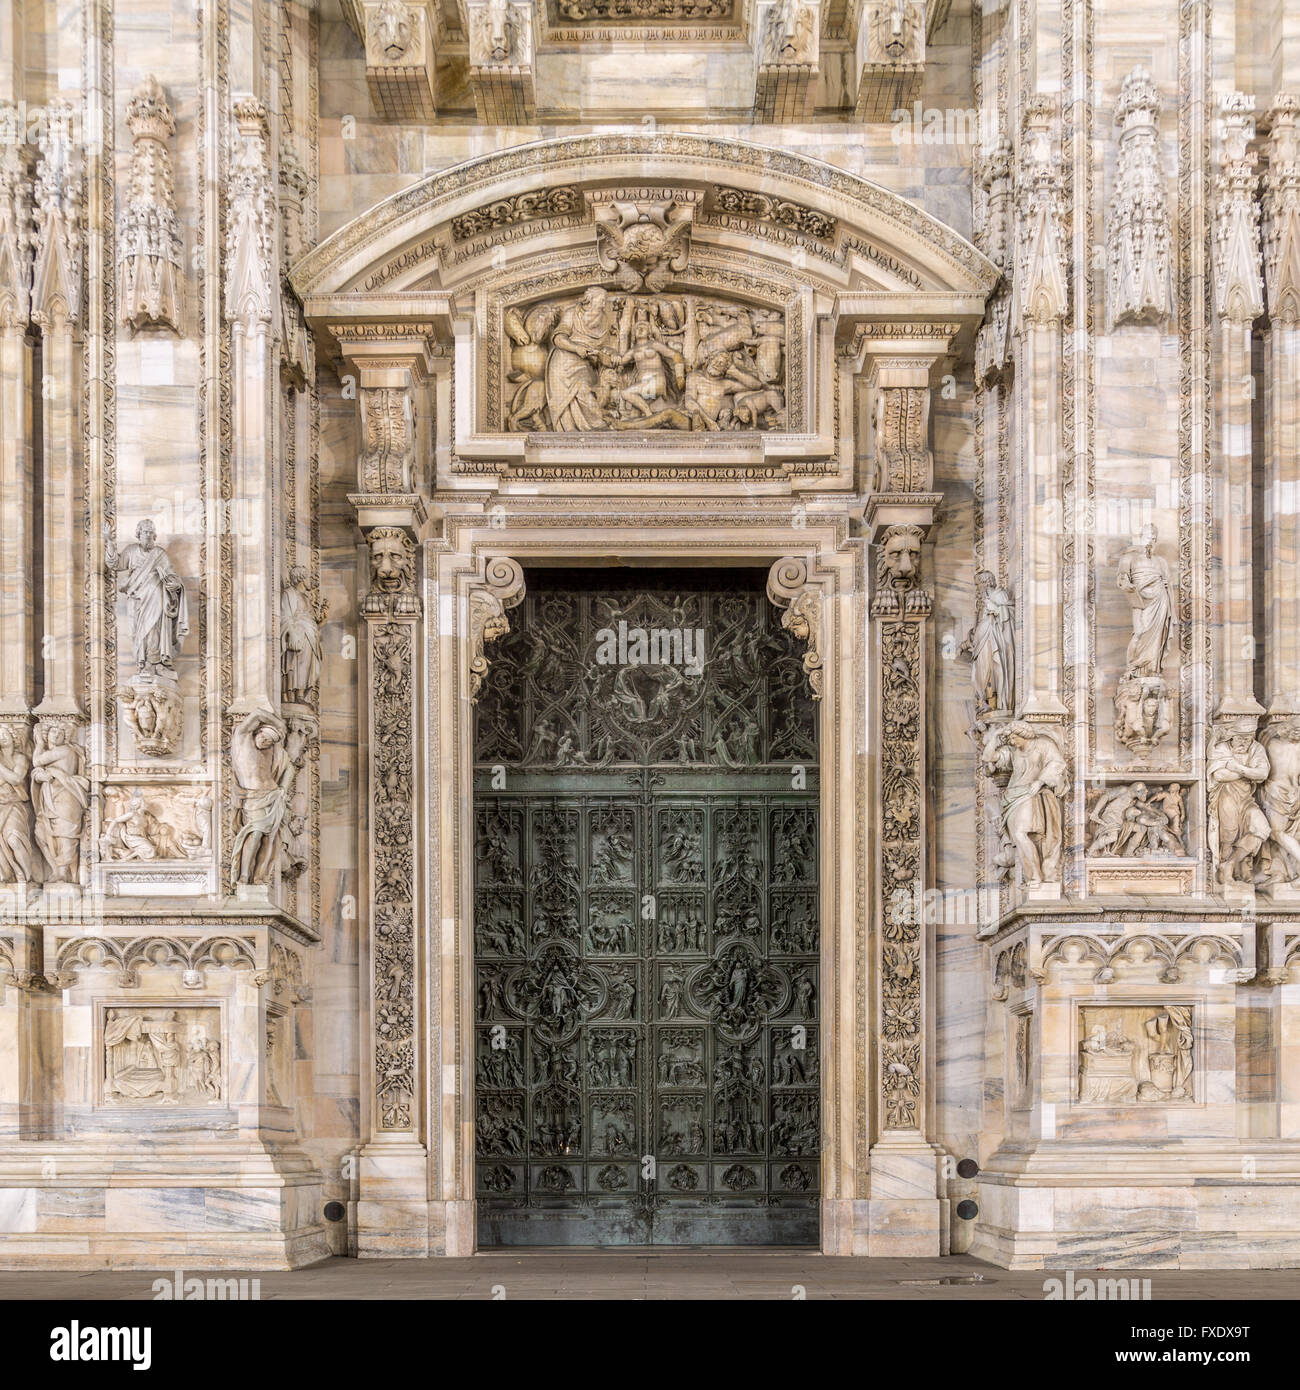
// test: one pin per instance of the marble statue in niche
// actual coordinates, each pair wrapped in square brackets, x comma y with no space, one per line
[634,361]
[1135,820]
[1136,1053]
[158,622]
[300,648]
[1235,766]
[1031,800]
[1142,704]
[991,646]
[60,796]
[16,857]
[265,756]
[162,1056]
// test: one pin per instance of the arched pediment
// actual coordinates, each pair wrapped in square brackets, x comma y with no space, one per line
[750,202]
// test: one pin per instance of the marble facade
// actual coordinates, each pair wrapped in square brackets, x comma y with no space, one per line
[974,323]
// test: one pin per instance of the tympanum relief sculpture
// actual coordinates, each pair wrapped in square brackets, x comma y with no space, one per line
[1142,703]
[162,1056]
[1136,1053]
[1031,759]
[991,647]
[158,622]
[1136,820]
[645,361]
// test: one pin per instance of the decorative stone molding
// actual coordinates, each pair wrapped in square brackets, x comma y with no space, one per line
[563,200]
[760,207]
[501,61]
[17,241]
[1137,234]
[148,236]
[786,42]
[1041,290]
[904,462]
[791,587]
[1238,277]
[60,179]
[192,956]
[502,589]
[890,58]
[400,40]
[250,223]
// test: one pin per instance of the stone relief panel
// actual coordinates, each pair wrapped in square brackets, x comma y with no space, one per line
[605,361]
[1137,819]
[162,1056]
[1136,1052]
[147,823]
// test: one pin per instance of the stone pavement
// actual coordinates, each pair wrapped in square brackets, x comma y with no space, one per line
[668,1275]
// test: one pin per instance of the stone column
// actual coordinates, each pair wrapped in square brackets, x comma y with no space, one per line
[1038,306]
[1282,394]
[1238,302]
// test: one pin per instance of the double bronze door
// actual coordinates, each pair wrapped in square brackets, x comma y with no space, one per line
[647,996]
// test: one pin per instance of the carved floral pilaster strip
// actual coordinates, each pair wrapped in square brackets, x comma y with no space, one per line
[392,787]
[789,588]
[502,589]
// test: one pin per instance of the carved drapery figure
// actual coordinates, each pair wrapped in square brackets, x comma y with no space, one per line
[15,831]
[1170,1059]
[156,601]
[300,647]
[580,343]
[1236,764]
[148,239]
[265,758]
[1031,802]
[991,646]
[60,796]
[1279,798]
[1144,577]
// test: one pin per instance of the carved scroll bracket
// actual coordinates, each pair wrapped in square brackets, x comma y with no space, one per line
[792,586]
[389,370]
[501,588]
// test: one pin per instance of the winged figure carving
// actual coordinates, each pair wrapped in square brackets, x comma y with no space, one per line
[643,244]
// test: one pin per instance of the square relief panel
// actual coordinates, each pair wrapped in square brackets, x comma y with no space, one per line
[1136,1052]
[161,1055]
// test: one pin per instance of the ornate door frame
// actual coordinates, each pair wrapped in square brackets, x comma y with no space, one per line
[429,298]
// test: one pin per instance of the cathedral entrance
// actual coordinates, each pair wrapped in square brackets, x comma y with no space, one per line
[646,918]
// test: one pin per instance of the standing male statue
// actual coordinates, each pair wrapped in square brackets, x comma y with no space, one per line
[159,616]
[1144,577]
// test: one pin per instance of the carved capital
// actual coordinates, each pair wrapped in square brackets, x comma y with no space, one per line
[501,589]
[791,587]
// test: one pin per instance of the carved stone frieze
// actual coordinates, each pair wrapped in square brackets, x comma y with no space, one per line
[560,200]
[760,207]
[146,823]
[148,235]
[502,589]
[190,956]
[644,362]
[1137,233]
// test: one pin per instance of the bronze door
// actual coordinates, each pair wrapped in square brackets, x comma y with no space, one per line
[646,921]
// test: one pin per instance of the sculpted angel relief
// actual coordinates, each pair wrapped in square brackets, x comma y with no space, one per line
[637,361]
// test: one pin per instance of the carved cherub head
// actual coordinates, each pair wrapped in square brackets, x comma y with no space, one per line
[392,561]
